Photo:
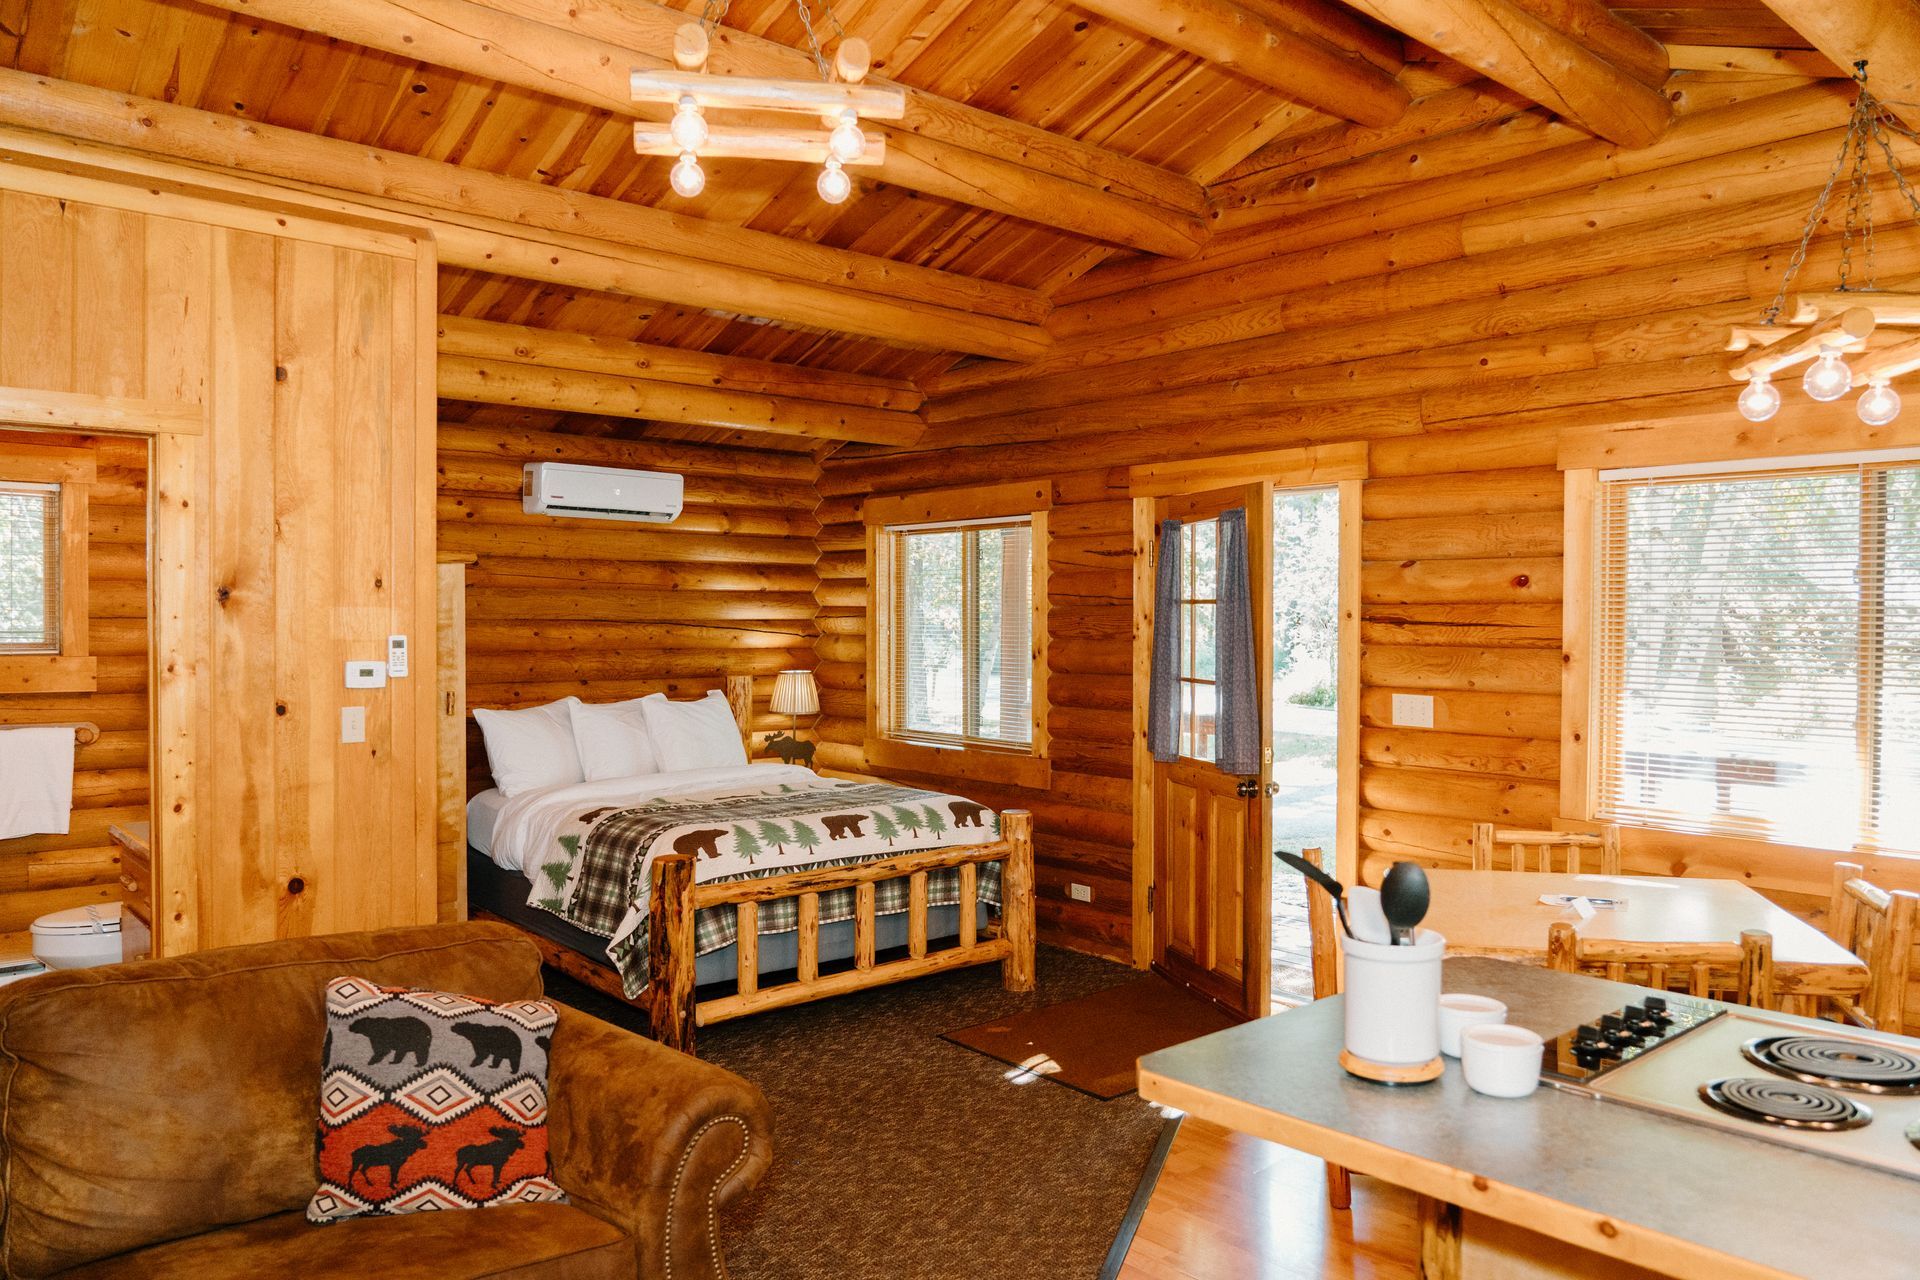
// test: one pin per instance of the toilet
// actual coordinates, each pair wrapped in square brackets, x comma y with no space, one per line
[79,937]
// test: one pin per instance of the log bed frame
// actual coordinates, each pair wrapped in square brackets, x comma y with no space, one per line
[671,1001]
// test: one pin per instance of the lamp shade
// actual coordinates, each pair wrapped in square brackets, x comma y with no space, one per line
[795,694]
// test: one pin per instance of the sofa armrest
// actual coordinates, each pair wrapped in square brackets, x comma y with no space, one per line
[653,1140]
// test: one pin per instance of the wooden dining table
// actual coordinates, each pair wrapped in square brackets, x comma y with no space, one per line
[1499,913]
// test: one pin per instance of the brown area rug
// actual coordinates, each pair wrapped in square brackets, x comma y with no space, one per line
[899,1156]
[1092,1043]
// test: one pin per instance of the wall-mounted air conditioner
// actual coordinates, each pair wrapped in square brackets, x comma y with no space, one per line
[600,493]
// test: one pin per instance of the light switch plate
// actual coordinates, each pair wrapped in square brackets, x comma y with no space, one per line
[366,675]
[1414,710]
[353,724]
[396,656]
[1080,892]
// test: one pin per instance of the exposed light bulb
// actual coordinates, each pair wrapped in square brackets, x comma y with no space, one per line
[1879,404]
[834,186]
[1760,401]
[689,127]
[688,179]
[1828,378]
[846,143]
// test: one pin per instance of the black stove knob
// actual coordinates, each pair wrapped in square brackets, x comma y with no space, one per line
[1588,1034]
[1655,1005]
[1610,1021]
[1633,1012]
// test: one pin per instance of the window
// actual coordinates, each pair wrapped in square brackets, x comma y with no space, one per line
[30,577]
[1199,608]
[43,566]
[1757,652]
[959,664]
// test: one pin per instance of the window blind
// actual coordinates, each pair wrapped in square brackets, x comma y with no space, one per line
[29,567]
[961,667]
[1757,642]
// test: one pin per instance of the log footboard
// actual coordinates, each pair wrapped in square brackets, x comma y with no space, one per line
[676,1009]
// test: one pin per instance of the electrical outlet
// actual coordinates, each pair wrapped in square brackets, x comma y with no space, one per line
[1080,892]
[353,724]
[1414,710]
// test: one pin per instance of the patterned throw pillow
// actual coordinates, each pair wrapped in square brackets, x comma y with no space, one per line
[431,1101]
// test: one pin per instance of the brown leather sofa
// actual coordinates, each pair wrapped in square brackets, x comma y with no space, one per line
[157,1120]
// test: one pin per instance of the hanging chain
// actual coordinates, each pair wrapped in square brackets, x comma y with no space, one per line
[714,12]
[1859,223]
[813,41]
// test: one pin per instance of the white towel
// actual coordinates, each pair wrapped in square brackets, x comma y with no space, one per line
[36,780]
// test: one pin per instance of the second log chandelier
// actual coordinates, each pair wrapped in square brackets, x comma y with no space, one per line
[1826,327]
[840,106]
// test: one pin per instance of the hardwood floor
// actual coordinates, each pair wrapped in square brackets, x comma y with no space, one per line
[1232,1207]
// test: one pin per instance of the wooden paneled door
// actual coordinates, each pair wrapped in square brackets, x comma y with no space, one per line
[1212,872]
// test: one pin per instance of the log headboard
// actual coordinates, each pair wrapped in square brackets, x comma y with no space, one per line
[740,699]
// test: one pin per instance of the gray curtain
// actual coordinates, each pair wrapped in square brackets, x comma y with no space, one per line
[1238,691]
[1163,697]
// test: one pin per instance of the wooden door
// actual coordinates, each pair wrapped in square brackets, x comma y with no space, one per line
[1212,872]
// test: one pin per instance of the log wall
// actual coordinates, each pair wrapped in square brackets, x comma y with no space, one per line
[1464,302]
[46,873]
[606,610]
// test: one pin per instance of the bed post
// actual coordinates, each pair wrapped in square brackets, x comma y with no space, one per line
[1016,909]
[740,699]
[670,951]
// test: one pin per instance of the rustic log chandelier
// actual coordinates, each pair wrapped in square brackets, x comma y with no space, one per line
[1825,327]
[840,106]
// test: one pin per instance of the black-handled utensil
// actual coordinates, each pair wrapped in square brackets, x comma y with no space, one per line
[1322,879]
[1404,896]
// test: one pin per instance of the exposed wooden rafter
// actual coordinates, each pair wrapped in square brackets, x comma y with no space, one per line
[498,45]
[1884,32]
[1301,66]
[683,260]
[590,353]
[1518,49]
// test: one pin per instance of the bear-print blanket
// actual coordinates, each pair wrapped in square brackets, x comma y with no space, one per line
[598,870]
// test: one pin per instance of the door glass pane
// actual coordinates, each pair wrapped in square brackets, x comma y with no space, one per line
[29,568]
[1199,657]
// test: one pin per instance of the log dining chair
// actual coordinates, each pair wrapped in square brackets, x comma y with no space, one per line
[1738,972]
[1537,850]
[1878,926]
[1323,933]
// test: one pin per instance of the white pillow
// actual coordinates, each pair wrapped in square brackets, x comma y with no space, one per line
[531,748]
[701,734]
[612,740]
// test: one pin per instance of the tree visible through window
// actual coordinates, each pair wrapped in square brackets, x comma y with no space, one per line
[1758,645]
[29,568]
[961,633]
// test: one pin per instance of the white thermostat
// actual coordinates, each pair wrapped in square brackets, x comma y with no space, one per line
[366,675]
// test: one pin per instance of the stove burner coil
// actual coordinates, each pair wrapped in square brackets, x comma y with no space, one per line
[1790,1105]
[1844,1064]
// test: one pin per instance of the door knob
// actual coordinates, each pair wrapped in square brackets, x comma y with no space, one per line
[1250,787]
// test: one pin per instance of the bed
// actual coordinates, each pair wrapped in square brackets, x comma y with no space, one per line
[711,892]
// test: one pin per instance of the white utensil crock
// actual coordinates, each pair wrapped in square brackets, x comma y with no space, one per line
[1393,999]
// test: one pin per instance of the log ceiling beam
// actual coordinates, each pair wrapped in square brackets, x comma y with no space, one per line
[1884,32]
[1303,67]
[1592,24]
[685,261]
[1507,44]
[591,353]
[534,386]
[493,44]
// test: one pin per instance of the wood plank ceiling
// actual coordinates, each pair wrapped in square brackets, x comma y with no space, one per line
[1057,66]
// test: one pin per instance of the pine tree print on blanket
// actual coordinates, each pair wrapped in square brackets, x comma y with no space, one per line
[597,872]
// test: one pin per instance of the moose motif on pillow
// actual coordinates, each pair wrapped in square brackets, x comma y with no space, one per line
[431,1101]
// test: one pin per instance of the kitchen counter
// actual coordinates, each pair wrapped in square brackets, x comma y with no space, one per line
[1677,1198]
